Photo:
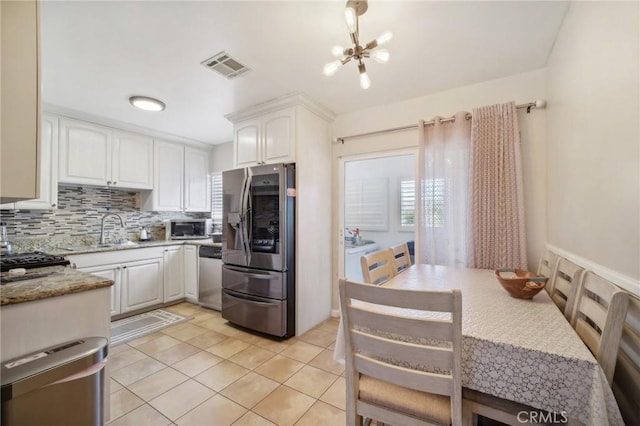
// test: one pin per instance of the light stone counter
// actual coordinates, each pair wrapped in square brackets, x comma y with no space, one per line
[79,249]
[42,283]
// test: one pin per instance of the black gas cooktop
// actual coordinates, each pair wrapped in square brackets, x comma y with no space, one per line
[36,259]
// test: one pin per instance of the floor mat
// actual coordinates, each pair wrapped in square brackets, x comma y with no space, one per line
[139,325]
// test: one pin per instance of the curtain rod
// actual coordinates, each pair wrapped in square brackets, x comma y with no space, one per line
[537,104]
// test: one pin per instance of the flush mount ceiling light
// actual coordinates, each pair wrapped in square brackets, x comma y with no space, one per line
[357,52]
[146,103]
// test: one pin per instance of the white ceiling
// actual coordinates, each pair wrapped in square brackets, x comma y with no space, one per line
[97,54]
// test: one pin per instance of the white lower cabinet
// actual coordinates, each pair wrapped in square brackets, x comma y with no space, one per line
[173,274]
[140,284]
[191,273]
[110,272]
[138,276]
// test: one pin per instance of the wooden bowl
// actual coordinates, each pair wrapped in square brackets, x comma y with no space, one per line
[520,284]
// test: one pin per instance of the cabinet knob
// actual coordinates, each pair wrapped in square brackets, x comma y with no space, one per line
[53,205]
[124,267]
[114,183]
[108,182]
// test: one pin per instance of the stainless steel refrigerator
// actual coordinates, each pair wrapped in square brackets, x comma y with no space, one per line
[258,248]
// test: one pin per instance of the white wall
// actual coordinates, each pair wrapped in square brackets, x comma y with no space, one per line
[521,88]
[593,137]
[222,157]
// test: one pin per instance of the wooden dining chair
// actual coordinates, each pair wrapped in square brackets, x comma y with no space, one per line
[626,379]
[401,259]
[377,267]
[564,286]
[601,308]
[546,267]
[382,375]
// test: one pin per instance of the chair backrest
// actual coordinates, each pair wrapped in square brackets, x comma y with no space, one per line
[377,267]
[546,267]
[564,286]
[601,308]
[626,380]
[435,340]
[401,259]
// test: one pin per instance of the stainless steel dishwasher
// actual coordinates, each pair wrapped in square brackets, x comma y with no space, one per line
[210,277]
[60,385]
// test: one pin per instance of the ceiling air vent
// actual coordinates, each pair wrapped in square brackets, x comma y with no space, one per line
[224,64]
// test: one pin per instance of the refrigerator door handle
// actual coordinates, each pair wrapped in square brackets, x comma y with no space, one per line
[251,301]
[246,211]
[246,273]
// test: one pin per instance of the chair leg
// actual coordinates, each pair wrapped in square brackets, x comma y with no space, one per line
[467,414]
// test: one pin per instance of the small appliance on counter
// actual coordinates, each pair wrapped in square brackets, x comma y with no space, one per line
[144,234]
[187,229]
[6,247]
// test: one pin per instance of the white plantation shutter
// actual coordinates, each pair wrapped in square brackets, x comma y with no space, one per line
[407,202]
[366,204]
[216,198]
[433,196]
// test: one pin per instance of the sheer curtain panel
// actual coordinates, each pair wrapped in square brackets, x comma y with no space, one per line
[496,199]
[442,193]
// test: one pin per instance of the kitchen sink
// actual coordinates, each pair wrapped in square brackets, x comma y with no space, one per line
[349,244]
[95,246]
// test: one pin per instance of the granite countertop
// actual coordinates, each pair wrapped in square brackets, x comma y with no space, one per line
[51,281]
[80,249]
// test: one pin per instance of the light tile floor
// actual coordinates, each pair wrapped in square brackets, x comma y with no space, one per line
[205,372]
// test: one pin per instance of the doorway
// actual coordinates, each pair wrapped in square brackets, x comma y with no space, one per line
[377,196]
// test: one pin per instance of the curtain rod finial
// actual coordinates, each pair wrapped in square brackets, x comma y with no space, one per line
[541,103]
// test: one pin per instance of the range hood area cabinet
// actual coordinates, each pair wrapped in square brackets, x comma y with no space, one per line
[90,154]
[48,170]
[180,179]
[20,100]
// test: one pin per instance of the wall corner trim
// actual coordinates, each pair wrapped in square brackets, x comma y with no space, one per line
[626,282]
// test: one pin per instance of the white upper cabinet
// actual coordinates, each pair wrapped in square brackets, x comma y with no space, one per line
[85,153]
[48,175]
[20,99]
[97,155]
[168,177]
[278,140]
[181,179]
[246,147]
[197,193]
[132,161]
[267,139]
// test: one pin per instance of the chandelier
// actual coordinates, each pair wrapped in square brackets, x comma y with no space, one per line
[354,9]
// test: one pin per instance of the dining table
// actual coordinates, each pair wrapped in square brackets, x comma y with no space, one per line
[520,350]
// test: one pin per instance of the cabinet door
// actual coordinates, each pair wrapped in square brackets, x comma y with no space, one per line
[48,199]
[85,153]
[20,99]
[191,272]
[110,272]
[278,137]
[132,161]
[197,190]
[141,284]
[168,173]
[246,147]
[173,274]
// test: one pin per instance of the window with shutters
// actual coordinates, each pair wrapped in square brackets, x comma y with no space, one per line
[216,199]
[366,204]
[433,198]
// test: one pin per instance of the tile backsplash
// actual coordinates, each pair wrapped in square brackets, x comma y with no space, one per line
[77,219]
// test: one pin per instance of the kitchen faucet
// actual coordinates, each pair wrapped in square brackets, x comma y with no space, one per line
[102,225]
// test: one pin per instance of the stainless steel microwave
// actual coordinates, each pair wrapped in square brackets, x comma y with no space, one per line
[187,229]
